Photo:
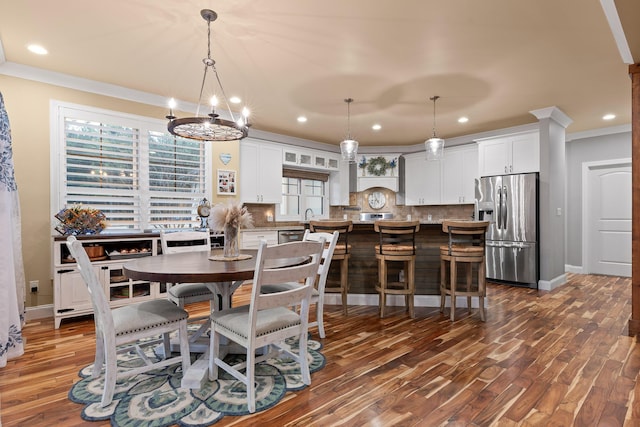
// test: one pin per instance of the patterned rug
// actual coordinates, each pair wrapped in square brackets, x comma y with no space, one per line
[155,399]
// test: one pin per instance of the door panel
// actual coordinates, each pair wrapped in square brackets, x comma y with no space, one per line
[609,220]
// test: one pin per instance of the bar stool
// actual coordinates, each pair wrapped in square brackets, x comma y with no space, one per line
[397,244]
[466,245]
[342,253]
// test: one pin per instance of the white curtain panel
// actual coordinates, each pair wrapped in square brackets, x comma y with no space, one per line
[12,282]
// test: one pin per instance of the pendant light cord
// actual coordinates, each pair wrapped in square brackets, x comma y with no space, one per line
[348,101]
[434,99]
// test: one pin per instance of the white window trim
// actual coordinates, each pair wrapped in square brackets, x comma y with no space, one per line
[57,130]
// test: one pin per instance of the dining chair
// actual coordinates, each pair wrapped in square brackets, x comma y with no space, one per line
[189,293]
[317,294]
[269,318]
[341,255]
[127,325]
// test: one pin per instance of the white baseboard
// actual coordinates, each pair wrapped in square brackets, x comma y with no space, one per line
[398,300]
[549,285]
[38,312]
[576,269]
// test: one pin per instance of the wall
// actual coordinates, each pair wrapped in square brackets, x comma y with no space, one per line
[28,104]
[580,150]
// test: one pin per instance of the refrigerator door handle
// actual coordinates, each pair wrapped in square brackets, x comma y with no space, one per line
[499,209]
[505,207]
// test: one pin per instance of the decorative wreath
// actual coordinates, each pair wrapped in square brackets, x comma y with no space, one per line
[377,166]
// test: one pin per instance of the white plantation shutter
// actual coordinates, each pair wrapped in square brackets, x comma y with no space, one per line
[176,179]
[133,170]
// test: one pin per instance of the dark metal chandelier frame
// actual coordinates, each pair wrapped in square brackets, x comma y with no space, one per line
[210,127]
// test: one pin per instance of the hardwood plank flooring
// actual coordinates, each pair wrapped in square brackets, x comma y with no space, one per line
[556,358]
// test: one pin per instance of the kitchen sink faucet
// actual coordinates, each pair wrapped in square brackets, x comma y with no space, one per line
[306,212]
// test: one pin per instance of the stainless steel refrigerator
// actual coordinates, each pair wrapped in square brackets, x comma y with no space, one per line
[510,204]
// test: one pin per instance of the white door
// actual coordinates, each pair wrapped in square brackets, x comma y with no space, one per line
[608,216]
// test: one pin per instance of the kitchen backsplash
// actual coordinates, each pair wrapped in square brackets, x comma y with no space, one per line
[358,203]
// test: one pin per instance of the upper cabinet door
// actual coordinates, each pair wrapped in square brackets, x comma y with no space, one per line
[260,172]
[459,171]
[510,154]
[422,180]
[494,157]
[525,153]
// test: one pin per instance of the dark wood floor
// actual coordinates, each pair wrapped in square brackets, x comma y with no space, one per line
[555,358]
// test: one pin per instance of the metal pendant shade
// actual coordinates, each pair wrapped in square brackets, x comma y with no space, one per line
[349,146]
[434,146]
[209,127]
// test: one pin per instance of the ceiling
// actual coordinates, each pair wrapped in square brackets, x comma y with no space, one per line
[492,61]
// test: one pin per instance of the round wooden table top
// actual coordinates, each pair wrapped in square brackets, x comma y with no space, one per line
[196,267]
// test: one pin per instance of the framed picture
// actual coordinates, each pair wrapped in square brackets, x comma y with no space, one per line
[226,181]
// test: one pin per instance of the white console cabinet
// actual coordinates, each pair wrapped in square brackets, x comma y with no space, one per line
[70,295]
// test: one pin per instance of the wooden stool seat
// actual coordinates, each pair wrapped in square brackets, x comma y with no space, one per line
[341,254]
[466,246]
[397,244]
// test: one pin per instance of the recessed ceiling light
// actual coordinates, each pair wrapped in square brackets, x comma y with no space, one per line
[302,119]
[608,117]
[376,127]
[235,100]
[463,119]
[37,49]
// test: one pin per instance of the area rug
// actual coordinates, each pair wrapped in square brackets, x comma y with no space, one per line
[155,399]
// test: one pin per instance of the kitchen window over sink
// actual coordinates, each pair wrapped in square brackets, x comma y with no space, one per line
[127,166]
[303,195]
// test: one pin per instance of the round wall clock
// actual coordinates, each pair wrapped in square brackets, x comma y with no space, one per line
[377,200]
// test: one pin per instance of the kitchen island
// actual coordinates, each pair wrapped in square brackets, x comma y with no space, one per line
[363,267]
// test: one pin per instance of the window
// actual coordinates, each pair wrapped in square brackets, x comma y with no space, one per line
[303,195]
[129,167]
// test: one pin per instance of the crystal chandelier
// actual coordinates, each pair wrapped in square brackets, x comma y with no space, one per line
[210,127]
[434,145]
[349,147]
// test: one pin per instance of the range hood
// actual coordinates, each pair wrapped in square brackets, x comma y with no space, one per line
[374,170]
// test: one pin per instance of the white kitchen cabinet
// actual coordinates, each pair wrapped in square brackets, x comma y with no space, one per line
[296,157]
[459,172]
[70,295]
[340,184]
[518,153]
[422,180]
[260,172]
[310,159]
[250,239]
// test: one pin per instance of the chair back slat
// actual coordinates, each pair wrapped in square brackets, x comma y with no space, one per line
[304,273]
[461,232]
[396,234]
[331,240]
[343,227]
[102,311]
[185,241]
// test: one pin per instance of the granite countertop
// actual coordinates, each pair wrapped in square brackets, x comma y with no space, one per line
[276,228]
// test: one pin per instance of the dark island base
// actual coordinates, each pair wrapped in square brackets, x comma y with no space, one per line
[363,267]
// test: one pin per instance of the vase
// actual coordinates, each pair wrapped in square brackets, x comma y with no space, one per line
[231,247]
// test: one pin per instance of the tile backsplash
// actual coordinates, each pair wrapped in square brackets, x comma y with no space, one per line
[358,203]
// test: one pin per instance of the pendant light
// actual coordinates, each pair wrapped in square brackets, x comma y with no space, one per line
[209,127]
[349,147]
[434,145]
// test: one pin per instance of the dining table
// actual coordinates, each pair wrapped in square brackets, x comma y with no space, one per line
[221,276]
